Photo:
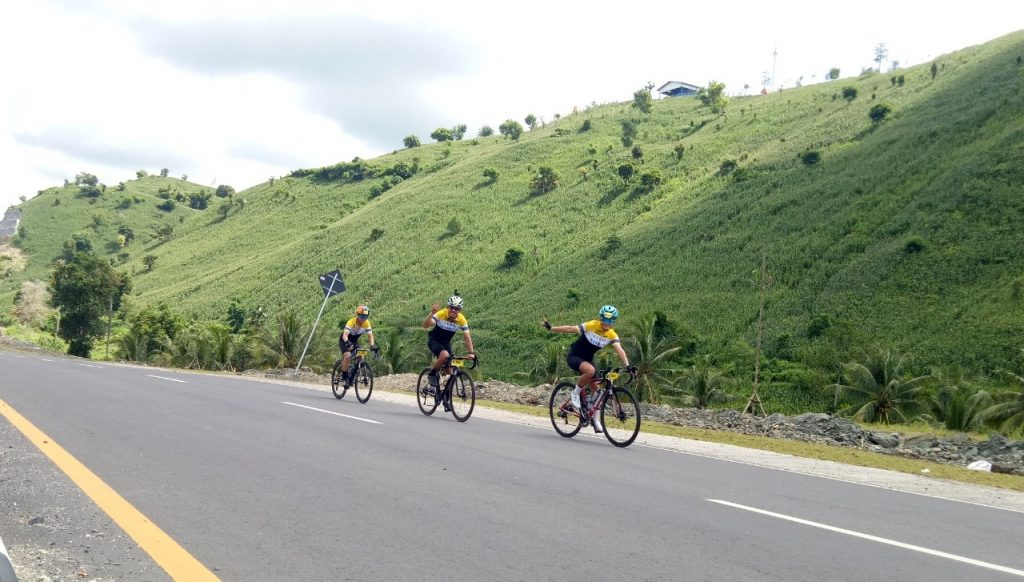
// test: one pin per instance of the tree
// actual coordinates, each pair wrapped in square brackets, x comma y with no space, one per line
[1008,413]
[411,141]
[441,134]
[84,289]
[934,70]
[626,172]
[642,100]
[459,131]
[713,97]
[164,172]
[86,179]
[140,174]
[957,403]
[630,129]
[225,191]
[548,367]
[485,131]
[880,53]
[545,180]
[511,129]
[31,303]
[531,121]
[150,262]
[878,112]
[878,390]
[849,93]
[833,74]
[702,384]
[651,355]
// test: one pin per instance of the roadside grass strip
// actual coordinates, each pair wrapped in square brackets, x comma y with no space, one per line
[166,552]
[923,550]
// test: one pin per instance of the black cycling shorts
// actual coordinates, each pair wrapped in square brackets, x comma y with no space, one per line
[348,346]
[575,361]
[437,347]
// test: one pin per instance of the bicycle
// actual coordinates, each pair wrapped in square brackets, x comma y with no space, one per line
[458,392]
[360,376]
[619,410]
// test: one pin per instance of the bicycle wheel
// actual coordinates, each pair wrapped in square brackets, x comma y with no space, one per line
[337,385]
[564,416]
[425,394]
[462,396]
[364,382]
[620,416]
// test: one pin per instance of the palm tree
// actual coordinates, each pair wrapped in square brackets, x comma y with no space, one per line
[650,354]
[548,368]
[281,345]
[879,391]
[220,344]
[958,403]
[1009,412]
[394,354]
[703,383]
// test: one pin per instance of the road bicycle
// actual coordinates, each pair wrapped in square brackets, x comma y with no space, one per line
[360,376]
[618,408]
[458,392]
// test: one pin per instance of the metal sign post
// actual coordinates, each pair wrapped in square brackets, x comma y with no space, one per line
[332,284]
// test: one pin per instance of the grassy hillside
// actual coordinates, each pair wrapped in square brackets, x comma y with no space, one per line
[905,235]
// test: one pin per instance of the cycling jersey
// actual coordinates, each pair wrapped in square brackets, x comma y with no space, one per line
[443,329]
[354,327]
[592,338]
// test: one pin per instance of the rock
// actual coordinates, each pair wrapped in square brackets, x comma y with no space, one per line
[886,440]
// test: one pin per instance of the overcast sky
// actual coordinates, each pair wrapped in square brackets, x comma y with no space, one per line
[233,92]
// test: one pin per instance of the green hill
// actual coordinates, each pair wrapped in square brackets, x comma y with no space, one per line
[905,234]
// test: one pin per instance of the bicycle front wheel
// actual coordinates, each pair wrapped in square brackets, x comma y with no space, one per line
[425,393]
[462,396]
[620,416]
[364,382]
[564,416]
[337,384]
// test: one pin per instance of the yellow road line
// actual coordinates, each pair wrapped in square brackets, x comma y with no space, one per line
[165,551]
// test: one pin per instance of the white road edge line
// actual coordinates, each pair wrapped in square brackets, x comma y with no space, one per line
[880,540]
[91,366]
[47,360]
[166,378]
[332,412]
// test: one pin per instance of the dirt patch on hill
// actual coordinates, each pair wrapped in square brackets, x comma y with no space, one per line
[12,260]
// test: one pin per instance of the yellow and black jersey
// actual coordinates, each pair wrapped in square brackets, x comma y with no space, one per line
[443,329]
[592,338]
[356,328]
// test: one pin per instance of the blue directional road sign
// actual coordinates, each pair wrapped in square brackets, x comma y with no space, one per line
[331,283]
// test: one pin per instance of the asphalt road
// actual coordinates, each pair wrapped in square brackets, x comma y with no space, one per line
[262,481]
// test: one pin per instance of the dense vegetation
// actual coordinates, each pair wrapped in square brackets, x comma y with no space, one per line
[887,209]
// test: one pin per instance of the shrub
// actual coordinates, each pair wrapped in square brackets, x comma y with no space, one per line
[224,191]
[879,111]
[914,244]
[626,171]
[167,205]
[849,93]
[726,167]
[650,180]
[485,131]
[679,150]
[611,244]
[375,234]
[642,100]
[442,134]
[587,125]
[531,121]
[459,131]
[809,158]
[545,181]
[491,174]
[637,152]
[513,257]
[411,141]
[629,132]
[511,129]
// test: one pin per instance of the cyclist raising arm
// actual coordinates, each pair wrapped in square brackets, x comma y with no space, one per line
[439,339]
[349,340]
[594,335]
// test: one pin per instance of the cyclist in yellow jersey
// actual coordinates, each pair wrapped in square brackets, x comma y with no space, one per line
[445,323]
[348,342]
[594,335]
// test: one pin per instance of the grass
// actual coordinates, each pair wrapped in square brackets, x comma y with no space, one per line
[940,173]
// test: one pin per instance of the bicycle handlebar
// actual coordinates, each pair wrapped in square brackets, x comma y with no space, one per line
[632,375]
[465,358]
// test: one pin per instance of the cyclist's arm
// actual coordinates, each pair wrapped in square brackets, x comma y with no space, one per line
[430,318]
[344,336]
[469,341]
[621,353]
[373,342]
[566,329]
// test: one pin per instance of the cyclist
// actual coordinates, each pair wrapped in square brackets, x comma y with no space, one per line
[348,342]
[445,323]
[594,335]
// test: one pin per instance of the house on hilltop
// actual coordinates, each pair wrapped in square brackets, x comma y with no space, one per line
[678,89]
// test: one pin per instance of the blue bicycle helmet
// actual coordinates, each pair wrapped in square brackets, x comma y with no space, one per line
[608,314]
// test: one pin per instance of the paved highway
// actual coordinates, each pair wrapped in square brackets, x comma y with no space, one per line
[264,481]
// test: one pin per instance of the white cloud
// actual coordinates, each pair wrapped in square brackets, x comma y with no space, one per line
[236,92]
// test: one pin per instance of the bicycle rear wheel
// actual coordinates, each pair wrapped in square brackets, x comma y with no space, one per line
[564,416]
[620,416]
[364,382]
[425,394]
[462,396]
[337,383]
